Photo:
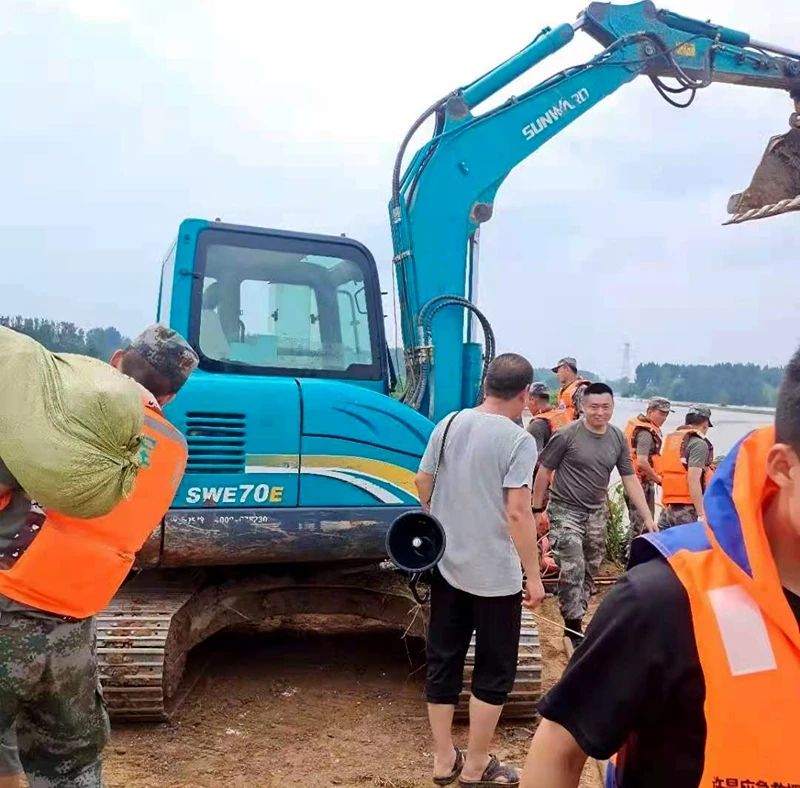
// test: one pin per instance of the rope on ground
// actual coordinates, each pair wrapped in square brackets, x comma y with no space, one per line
[540,617]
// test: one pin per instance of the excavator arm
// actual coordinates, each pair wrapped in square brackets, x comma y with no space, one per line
[449,187]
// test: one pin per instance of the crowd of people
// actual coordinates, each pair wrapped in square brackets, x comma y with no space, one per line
[706,615]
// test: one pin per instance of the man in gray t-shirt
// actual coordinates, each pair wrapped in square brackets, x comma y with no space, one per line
[578,461]
[482,464]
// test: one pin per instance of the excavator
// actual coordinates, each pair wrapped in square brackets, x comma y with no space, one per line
[300,457]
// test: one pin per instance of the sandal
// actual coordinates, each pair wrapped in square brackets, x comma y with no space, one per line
[453,776]
[495,775]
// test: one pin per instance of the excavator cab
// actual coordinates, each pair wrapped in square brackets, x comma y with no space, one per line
[775,187]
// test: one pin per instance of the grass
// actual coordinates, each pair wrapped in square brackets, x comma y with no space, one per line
[618,534]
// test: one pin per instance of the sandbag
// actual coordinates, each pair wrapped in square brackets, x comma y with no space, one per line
[70,427]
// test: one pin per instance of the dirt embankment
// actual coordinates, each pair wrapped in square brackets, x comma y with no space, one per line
[305,710]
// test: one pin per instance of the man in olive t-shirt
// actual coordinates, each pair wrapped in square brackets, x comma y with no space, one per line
[582,457]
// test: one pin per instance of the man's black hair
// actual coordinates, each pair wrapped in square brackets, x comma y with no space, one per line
[507,375]
[695,420]
[543,396]
[787,411]
[598,388]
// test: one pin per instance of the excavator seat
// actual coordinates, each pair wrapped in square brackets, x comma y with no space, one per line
[775,188]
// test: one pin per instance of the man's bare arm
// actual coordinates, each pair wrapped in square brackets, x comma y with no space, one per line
[424,483]
[522,528]
[540,485]
[696,489]
[636,494]
[555,760]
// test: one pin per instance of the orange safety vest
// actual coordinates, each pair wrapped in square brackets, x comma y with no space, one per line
[556,418]
[566,397]
[632,429]
[74,567]
[674,470]
[747,637]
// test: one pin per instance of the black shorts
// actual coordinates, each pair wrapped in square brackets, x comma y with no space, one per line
[455,615]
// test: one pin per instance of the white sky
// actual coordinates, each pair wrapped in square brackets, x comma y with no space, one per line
[121,118]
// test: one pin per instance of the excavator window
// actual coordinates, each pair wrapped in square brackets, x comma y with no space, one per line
[297,308]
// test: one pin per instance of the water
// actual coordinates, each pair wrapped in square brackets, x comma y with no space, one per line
[729,424]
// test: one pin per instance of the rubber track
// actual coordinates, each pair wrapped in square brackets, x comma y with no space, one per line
[527,689]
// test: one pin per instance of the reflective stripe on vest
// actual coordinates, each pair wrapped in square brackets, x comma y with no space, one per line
[674,471]
[748,640]
[74,567]
[632,429]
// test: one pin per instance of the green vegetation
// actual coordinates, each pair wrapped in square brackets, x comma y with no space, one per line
[67,337]
[618,533]
[726,384]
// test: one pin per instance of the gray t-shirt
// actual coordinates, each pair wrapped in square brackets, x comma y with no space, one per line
[583,462]
[485,454]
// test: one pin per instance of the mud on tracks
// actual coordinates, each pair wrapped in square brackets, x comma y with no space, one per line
[305,709]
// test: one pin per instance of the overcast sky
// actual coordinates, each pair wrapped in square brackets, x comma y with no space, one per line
[120,118]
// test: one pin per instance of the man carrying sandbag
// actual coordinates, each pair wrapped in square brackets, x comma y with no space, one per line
[58,571]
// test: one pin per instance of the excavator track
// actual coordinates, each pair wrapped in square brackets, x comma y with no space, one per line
[527,690]
[146,633]
[134,635]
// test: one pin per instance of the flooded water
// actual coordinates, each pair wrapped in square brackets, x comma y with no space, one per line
[729,424]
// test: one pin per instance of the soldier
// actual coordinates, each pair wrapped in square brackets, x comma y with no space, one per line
[690,669]
[686,468]
[546,417]
[578,461]
[572,386]
[49,685]
[643,434]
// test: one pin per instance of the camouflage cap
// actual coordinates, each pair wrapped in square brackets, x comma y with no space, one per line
[538,389]
[167,352]
[566,361]
[660,403]
[700,410]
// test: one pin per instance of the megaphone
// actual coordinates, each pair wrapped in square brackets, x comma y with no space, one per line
[415,543]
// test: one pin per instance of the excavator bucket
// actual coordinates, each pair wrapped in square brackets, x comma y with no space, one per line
[775,188]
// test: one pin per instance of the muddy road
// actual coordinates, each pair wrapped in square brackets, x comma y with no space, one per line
[304,709]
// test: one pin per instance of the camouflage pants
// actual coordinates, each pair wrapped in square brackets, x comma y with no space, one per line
[677,514]
[578,538]
[51,706]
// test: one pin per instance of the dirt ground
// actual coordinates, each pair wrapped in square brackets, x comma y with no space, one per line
[305,709]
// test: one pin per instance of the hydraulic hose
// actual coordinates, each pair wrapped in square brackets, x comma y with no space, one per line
[423,366]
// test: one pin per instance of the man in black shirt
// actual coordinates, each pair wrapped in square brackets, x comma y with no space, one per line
[690,669]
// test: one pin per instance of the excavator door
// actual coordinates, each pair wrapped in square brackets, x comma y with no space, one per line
[775,187]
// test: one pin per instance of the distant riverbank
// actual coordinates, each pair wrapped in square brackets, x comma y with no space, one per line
[761,410]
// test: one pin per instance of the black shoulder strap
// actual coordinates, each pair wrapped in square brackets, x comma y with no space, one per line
[441,451]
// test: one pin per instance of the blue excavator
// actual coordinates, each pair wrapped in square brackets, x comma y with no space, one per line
[302,447]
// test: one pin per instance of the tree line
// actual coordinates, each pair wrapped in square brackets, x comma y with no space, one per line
[63,337]
[724,384]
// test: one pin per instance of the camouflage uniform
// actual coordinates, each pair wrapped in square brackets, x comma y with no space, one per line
[579,546]
[167,352]
[50,696]
[53,720]
[677,514]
